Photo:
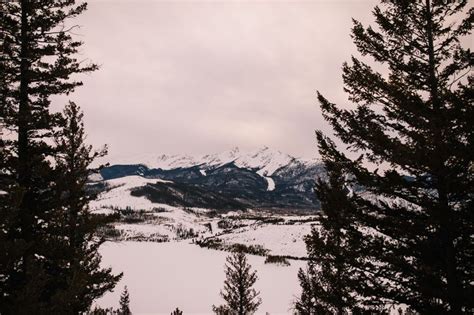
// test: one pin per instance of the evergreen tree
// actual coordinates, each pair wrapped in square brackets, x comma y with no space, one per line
[222,310]
[330,283]
[238,293]
[177,311]
[102,311]
[306,303]
[37,62]
[413,129]
[125,303]
[83,280]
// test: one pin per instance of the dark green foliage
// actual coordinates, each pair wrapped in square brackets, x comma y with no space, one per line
[177,311]
[184,233]
[330,283]
[185,195]
[36,63]
[238,293]
[278,260]
[412,127]
[102,311]
[124,303]
[217,243]
[131,216]
[78,259]
[110,233]
[229,224]
[222,310]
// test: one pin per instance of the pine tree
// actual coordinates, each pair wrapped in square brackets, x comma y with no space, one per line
[37,62]
[83,280]
[238,293]
[177,311]
[125,303]
[330,283]
[222,310]
[412,126]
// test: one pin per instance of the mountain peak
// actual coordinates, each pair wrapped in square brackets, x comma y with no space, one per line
[264,159]
[267,160]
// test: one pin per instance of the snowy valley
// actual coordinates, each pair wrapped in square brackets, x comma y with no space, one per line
[165,225]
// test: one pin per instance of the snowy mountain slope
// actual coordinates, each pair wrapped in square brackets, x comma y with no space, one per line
[118,194]
[263,178]
[167,219]
[265,159]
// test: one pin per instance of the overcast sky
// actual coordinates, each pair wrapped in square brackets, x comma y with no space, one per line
[202,77]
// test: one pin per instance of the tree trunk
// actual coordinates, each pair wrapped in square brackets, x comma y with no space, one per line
[23,169]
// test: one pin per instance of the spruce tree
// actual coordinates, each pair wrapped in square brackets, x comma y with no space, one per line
[124,303]
[240,296]
[37,62]
[330,282]
[83,280]
[177,311]
[412,128]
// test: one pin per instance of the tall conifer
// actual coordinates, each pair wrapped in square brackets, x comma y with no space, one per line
[124,303]
[240,296]
[330,284]
[37,62]
[412,126]
[77,259]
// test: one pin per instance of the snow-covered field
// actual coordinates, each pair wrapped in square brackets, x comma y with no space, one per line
[163,276]
[119,194]
[286,240]
[279,239]
[177,272]
[167,269]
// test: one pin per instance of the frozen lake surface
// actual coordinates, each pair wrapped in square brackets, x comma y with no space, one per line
[163,276]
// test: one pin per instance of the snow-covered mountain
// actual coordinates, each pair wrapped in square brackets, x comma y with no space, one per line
[266,160]
[263,178]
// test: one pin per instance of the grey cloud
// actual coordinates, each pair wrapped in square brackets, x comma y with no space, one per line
[201,76]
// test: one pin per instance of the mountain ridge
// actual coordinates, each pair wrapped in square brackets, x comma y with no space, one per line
[259,179]
[264,157]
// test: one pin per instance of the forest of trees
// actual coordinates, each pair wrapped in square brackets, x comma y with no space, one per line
[396,225]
